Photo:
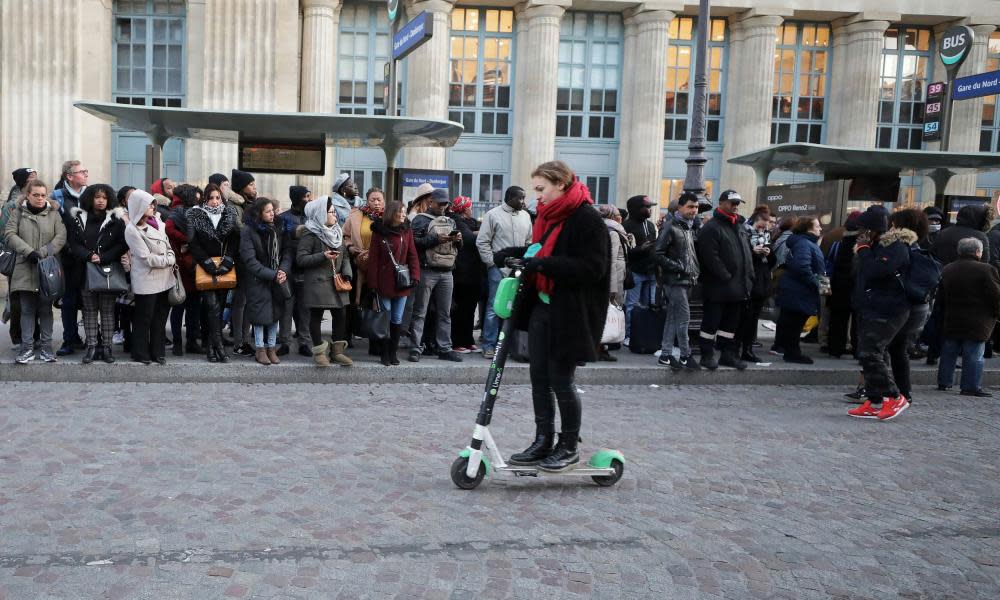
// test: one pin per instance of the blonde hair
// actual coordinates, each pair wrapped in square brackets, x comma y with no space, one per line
[555,171]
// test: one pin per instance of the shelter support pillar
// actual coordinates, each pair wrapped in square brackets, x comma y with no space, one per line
[857,59]
[320,26]
[427,70]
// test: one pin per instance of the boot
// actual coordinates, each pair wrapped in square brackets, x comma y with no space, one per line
[89,356]
[109,357]
[272,355]
[211,354]
[731,358]
[178,348]
[565,456]
[385,352]
[377,347]
[338,356]
[220,353]
[538,451]
[193,347]
[260,354]
[393,343]
[319,355]
[708,360]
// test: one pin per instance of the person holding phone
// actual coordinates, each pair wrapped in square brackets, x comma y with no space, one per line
[321,256]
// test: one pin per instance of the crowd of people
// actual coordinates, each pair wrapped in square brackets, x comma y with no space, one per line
[882,287]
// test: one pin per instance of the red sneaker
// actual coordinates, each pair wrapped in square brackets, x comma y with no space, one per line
[865,411]
[891,407]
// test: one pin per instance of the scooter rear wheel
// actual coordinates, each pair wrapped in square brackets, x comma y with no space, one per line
[461,479]
[609,480]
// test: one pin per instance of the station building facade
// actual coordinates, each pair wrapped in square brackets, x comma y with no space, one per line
[605,85]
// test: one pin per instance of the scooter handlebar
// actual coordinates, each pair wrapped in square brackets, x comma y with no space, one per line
[514,263]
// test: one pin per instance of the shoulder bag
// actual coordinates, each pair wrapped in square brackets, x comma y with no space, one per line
[51,283]
[203,281]
[8,259]
[404,280]
[177,294]
[374,319]
[106,279]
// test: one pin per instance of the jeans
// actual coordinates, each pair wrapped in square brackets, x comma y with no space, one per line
[396,307]
[899,356]
[71,303]
[439,286]
[678,318]
[874,337]
[550,377]
[491,328]
[32,306]
[972,363]
[636,296]
[271,331]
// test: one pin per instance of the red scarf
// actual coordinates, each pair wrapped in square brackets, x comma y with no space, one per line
[370,212]
[732,218]
[553,215]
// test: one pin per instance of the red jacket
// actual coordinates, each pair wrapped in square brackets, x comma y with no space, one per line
[381,275]
[177,234]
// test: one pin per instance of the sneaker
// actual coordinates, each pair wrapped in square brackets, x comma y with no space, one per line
[865,411]
[450,356]
[46,356]
[462,350]
[667,360]
[119,338]
[626,342]
[943,388]
[857,394]
[414,355]
[305,351]
[65,349]
[750,357]
[801,359]
[245,350]
[689,363]
[980,393]
[25,357]
[489,353]
[473,348]
[892,407]
[776,351]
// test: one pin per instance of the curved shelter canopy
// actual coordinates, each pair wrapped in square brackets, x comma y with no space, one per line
[835,162]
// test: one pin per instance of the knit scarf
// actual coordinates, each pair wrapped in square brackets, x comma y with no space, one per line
[552,216]
[371,213]
[731,218]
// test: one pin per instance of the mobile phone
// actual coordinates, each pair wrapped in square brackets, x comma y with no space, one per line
[453,233]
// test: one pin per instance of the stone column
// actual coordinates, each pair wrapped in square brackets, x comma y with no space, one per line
[45,65]
[318,94]
[427,71]
[535,135]
[640,158]
[750,90]
[248,60]
[858,63]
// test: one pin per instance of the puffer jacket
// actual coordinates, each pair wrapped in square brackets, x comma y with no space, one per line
[25,233]
[878,291]
[972,221]
[108,242]
[675,251]
[798,289]
[724,258]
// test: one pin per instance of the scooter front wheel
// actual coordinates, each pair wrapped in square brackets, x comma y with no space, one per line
[609,480]
[461,479]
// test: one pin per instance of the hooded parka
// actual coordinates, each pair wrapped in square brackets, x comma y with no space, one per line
[25,233]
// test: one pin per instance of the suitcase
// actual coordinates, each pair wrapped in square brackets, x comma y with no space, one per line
[646,324]
[519,345]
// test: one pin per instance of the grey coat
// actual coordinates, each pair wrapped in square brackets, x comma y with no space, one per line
[317,272]
[25,233]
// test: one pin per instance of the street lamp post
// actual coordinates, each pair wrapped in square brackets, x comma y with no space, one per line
[694,181]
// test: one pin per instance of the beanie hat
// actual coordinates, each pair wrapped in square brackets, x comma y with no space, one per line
[240,180]
[21,176]
[339,181]
[297,193]
[851,224]
[440,196]
[876,218]
[934,212]
[460,204]
[218,179]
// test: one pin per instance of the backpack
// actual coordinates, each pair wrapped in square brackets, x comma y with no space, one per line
[921,279]
[441,256]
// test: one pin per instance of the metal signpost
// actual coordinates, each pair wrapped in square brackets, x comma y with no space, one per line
[694,180]
[954,49]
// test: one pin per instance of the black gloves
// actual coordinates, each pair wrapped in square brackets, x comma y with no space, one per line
[34,256]
[209,265]
[534,265]
[226,265]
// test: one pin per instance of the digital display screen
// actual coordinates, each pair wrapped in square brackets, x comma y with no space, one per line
[297,159]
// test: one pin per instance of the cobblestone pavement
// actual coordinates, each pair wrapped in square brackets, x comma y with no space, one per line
[312,491]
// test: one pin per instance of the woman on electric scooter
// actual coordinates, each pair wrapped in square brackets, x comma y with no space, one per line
[565,303]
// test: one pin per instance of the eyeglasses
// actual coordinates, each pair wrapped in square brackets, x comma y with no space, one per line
[83,172]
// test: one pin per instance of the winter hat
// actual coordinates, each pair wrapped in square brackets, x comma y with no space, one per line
[934,213]
[460,204]
[218,179]
[297,193]
[876,218]
[440,196]
[21,176]
[851,224]
[240,180]
[339,181]
[424,190]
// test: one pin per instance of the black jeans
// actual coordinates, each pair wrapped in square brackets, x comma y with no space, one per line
[874,337]
[899,356]
[550,376]
[842,328]
[747,333]
[788,332]
[190,312]
[463,314]
[339,330]
[721,319]
[149,326]
[213,303]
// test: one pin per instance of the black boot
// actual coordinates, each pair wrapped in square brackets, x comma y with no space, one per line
[89,356]
[393,343]
[193,347]
[708,360]
[384,348]
[109,357]
[565,456]
[211,355]
[220,352]
[538,451]
[731,358]
[178,348]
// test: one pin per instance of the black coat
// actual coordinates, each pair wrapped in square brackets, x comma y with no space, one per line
[970,298]
[676,257]
[580,266]
[206,241]
[842,278]
[878,292]
[469,268]
[724,256]
[972,221]
[259,250]
[641,258]
[105,238]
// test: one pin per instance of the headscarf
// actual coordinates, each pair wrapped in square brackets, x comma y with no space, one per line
[460,204]
[315,212]
[552,216]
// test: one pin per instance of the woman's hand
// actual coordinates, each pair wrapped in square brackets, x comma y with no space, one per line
[331,254]
[95,259]
[281,278]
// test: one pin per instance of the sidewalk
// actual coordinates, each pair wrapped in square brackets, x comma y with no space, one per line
[631,369]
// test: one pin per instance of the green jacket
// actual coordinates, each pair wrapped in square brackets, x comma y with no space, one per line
[26,233]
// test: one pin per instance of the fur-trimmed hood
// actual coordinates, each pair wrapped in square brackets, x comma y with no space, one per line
[200,223]
[23,201]
[906,236]
[80,216]
[977,217]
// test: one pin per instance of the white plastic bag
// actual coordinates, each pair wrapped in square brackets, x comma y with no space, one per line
[614,325]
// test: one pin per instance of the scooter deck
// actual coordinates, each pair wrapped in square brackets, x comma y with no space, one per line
[528,471]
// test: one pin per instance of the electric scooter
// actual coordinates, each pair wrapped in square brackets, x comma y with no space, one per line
[605,467]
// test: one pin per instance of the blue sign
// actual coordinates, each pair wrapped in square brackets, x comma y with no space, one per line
[975,86]
[411,179]
[412,35]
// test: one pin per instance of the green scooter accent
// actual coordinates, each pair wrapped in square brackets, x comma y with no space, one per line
[503,302]
[468,452]
[603,457]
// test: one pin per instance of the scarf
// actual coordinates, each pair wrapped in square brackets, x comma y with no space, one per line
[214,212]
[333,236]
[551,217]
[731,218]
[371,213]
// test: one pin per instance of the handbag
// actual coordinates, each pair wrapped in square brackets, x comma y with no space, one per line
[402,272]
[106,279]
[8,259]
[375,320]
[177,294]
[51,283]
[614,325]
[204,282]
[340,284]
